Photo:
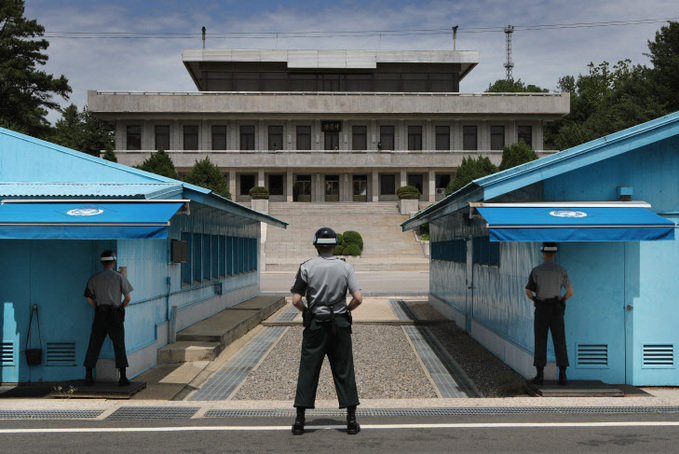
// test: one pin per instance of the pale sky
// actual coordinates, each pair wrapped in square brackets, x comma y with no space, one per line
[149,57]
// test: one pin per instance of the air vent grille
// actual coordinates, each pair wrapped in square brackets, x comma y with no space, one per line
[60,354]
[658,355]
[592,355]
[7,353]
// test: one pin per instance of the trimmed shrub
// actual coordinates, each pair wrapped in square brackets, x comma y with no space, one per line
[340,238]
[259,192]
[408,192]
[339,249]
[353,237]
[352,249]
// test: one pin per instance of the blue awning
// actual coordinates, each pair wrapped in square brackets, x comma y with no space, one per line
[86,219]
[574,222]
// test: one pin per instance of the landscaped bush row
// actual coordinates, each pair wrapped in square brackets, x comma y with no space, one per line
[349,243]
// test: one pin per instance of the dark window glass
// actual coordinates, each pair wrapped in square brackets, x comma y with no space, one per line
[134,137]
[387,82]
[303,82]
[442,180]
[222,256]
[331,140]
[247,137]
[186,267]
[415,82]
[387,137]
[358,82]
[414,137]
[304,137]
[469,138]
[276,184]
[443,137]
[275,137]
[229,256]
[190,137]
[247,182]
[219,137]
[359,138]
[274,81]
[246,82]
[497,137]
[526,135]
[387,184]
[442,83]
[331,82]
[162,137]
[197,258]
[415,180]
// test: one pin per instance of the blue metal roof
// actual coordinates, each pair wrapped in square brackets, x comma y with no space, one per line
[497,184]
[31,167]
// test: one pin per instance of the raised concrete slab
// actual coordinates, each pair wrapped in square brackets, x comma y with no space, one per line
[576,388]
[187,351]
[99,390]
[268,305]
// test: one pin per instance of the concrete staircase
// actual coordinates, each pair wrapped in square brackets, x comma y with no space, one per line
[386,247]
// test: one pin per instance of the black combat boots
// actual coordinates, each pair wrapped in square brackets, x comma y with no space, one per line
[298,426]
[352,425]
[123,381]
[563,380]
[540,377]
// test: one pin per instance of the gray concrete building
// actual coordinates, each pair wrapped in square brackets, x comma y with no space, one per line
[327,125]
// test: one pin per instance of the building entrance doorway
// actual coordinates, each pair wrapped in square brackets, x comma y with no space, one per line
[301,191]
[332,188]
[332,140]
[360,188]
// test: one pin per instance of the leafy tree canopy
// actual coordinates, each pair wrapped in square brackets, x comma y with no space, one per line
[82,131]
[204,173]
[470,170]
[160,164]
[26,93]
[664,54]
[109,155]
[516,154]
[514,86]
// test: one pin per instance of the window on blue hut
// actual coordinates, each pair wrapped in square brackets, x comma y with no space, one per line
[229,255]
[196,265]
[186,266]
[222,256]
[215,257]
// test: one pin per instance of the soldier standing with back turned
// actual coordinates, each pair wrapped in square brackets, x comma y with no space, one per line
[544,289]
[327,328]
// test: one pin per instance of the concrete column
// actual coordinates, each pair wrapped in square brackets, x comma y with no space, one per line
[204,135]
[318,194]
[232,135]
[260,177]
[375,186]
[232,183]
[428,136]
[538,136]
[404,178]
[432,186]
[288,185]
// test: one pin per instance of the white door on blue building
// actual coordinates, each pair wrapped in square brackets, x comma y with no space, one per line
[52,275]
[595,316]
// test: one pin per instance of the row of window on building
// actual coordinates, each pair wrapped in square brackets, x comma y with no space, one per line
[214,257]
[331,139]
[484,252]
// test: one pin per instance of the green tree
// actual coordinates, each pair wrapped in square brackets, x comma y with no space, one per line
[470,170]
[664,54]
[161,164]
[516,154]
[604,101]
[109,155]
[82,131]
[26,93]
[204,173]
[514,86]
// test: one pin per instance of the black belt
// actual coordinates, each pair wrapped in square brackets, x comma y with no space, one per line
[107,308]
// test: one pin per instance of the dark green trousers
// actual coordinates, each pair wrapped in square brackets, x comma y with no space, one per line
[105,323]
[320,339]
[549,316]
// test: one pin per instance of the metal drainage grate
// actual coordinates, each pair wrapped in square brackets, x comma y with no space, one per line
[50,414]
[368,412]
[228,378]
[153,413]
[288,314]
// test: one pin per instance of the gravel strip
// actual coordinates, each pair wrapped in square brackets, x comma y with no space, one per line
[386,368]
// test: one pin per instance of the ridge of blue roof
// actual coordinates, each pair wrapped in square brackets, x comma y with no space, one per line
[491,186]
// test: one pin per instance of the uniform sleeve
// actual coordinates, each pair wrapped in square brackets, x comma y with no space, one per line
[89,290]
[125,286]
[532,285]
[352,282]
[565,280]
[300,285]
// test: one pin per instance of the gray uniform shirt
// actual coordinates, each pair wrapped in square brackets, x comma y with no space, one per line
[107,288]
[325,279]
[546,280]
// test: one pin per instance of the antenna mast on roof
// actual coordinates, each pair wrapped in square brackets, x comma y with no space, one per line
[509,64]
[455,37]
[203,30]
